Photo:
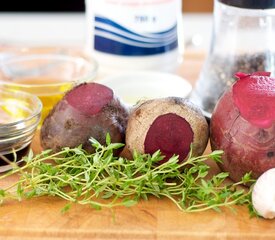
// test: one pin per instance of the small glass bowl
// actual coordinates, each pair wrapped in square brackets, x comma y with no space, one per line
[20,114]
[46,75]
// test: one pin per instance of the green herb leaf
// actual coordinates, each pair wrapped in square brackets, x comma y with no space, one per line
[129,202]
[66,208]
[84,178]
[2,193]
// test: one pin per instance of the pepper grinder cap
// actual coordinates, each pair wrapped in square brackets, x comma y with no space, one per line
[250,4]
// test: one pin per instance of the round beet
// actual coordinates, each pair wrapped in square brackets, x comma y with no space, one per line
[88,110]
[243,126]
[170,125]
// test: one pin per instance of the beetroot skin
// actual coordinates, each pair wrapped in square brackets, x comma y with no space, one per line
[243,126]
[88,110]
[170,125]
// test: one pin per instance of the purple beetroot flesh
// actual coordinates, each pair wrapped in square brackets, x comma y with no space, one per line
[162,136]
[89,99]
[254,96]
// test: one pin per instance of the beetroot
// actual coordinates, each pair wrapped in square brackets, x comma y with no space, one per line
[243,126]
[254,96]
[170,125]
[172,141]
[88,110]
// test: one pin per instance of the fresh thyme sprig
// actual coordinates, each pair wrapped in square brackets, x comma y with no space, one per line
[103,180]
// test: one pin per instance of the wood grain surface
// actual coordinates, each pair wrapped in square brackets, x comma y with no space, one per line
[41,218]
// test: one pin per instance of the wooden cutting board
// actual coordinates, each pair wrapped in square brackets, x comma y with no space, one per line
[154,219]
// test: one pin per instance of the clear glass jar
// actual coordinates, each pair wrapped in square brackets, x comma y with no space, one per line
[243,40]
[20,114]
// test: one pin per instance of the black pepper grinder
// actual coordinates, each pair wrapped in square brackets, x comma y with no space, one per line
[243,40]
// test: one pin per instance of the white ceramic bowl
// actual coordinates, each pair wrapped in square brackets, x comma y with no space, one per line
[134,86]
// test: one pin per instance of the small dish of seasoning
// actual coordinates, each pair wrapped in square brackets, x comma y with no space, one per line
[136,86]
[20,114]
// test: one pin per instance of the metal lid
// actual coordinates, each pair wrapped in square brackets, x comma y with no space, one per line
[250,4]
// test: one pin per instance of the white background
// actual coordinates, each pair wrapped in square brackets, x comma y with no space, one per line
[70,29]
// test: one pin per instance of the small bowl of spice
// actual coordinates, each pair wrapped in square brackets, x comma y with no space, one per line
[20,114]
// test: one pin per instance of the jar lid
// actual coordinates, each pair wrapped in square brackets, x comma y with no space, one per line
[250,4]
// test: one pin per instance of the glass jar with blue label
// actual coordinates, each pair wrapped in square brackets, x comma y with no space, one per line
[135,34]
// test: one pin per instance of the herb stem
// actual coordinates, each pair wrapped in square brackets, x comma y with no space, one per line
[101,179]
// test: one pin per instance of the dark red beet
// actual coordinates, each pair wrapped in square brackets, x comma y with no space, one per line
[88,110]
[169,125]
[162,136]
[254,97]
[247,138]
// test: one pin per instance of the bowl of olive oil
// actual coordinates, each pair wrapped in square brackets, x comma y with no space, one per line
[47,76]
[20,114]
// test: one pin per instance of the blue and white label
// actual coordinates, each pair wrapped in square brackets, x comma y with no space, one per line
[135,27]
